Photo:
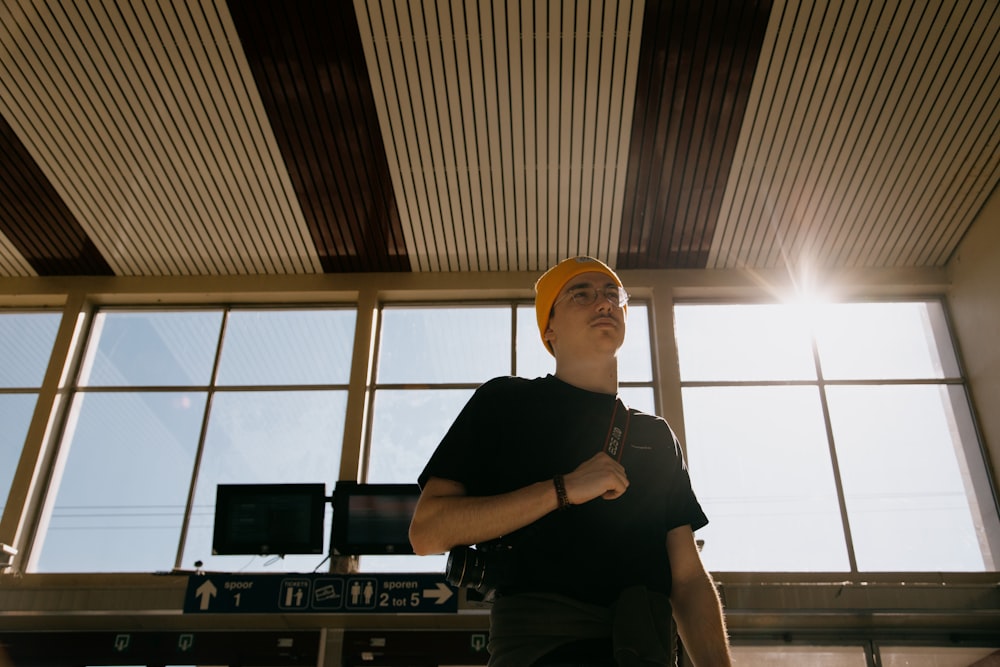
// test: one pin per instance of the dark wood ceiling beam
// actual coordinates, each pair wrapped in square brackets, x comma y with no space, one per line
[309,65]
[36,220]
[696,68]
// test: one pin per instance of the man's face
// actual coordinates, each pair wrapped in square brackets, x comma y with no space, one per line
[579,329]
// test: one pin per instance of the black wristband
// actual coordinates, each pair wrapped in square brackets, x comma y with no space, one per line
[560,485]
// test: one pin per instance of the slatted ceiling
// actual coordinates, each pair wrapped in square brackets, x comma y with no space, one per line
[610,132]
[28,203]
[403,62]
[147,131]
[89,161]
[228,146]
[444,215]
[886,158]
[307,61]
[929,142]
[780,151]
[766,104]
[291,240]
[503,126]
[959,206]
[391,118]
[12,261]
[810,85]
[386,103]
[809,159]
[688,180]
[689,74]
[165,138]
[621,57]
[740,49]
[695,72]
[23,80]
[443,69]
[498,36]
[850,144]
[469,199]
[210,143]
[970,83]
[866,167]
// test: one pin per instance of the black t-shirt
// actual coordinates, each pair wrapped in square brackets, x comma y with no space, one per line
[514,432]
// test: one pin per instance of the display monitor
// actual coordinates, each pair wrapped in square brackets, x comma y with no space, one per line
[263,519]
[372,518]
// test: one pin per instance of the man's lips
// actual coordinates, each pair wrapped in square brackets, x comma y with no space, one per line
[602,320]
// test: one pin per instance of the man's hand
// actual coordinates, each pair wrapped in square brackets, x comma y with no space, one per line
[599,476]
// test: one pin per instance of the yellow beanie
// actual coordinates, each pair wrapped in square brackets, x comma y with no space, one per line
[547,287]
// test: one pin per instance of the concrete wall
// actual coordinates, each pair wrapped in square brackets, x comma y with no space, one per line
[974,298]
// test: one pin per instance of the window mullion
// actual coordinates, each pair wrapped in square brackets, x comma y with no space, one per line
[361,391]
[199,452]
[837,480]
[25,508]
[513,338]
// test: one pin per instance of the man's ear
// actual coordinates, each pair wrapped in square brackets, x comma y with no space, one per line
[549,336]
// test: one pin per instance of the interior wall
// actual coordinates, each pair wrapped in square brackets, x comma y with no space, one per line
[974,298]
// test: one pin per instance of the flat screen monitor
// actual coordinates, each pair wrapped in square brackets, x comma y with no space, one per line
[264,519]
[372,518]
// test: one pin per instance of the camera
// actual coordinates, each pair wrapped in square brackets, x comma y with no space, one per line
[479,569]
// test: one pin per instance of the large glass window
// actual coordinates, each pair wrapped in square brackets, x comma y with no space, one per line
[24,356]
[169,404]
[794,656]
[828,438]
[862,654]
[431,358]
[938,656]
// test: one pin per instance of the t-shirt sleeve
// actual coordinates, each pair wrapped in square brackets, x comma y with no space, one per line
[684,508]
[460,454]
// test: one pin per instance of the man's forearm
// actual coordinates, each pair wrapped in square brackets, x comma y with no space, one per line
[700,623]
[445,521]
[445,517]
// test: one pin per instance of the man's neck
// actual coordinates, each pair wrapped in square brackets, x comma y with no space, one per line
[600,377]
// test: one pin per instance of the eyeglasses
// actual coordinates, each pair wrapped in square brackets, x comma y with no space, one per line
[586,296]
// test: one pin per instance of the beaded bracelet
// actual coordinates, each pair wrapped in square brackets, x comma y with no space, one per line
[560,485]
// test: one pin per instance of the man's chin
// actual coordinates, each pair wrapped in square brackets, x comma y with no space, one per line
[611,337]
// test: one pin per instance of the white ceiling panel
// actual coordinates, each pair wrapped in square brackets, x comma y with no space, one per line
[148,125]
[872,134]
[506,125]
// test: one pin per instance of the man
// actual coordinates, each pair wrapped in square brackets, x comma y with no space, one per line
[585,506]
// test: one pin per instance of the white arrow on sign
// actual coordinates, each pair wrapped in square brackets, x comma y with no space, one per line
[206,592]
[442,593]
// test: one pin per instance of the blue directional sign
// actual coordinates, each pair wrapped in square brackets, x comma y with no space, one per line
[359,593]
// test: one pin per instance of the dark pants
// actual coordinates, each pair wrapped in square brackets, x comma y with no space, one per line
[582,653]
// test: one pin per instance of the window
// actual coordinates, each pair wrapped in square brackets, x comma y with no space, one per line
[430,360]
[169,404]
[935,656]
[860,654]
[792,656]
[27,344]
[829,438]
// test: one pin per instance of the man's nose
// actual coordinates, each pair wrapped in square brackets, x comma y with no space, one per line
[604,303]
